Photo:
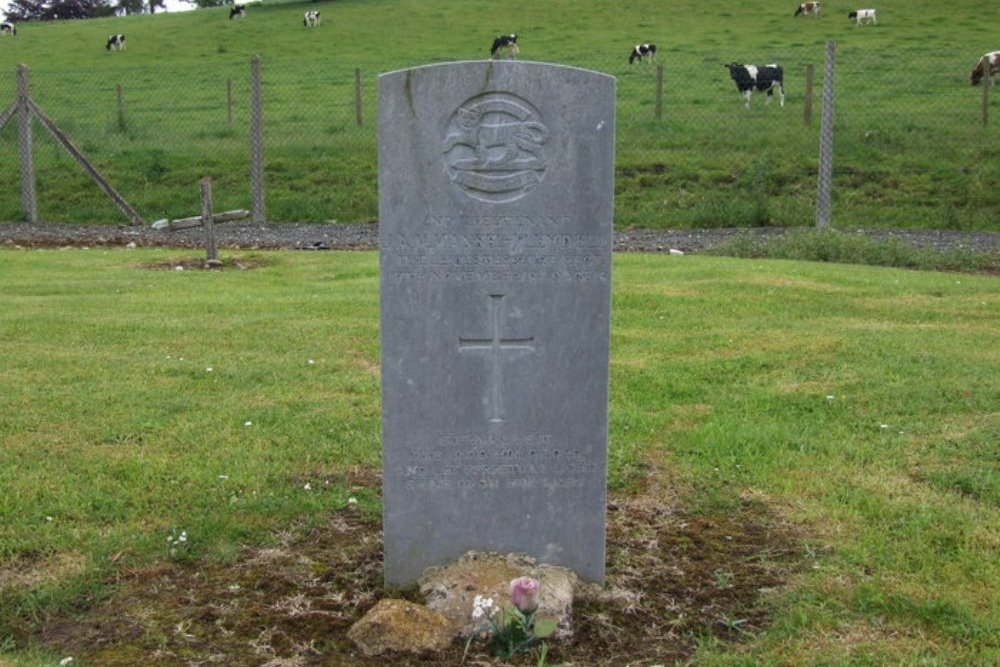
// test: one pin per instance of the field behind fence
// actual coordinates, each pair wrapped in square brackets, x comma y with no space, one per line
[914,144]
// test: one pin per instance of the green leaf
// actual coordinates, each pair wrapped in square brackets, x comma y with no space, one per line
[544,627]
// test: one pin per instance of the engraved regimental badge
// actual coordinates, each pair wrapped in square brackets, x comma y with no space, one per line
[494,148]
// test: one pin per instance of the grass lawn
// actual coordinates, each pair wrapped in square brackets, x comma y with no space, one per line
[806,454]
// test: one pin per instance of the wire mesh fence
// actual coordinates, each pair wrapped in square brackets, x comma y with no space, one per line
[909,148]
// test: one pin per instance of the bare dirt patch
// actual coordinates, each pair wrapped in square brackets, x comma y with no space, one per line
[674,575]
[234,262]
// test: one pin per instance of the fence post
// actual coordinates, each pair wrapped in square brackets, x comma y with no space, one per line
[121,108]
[986,94]
[807,109]
[229,100]
[825,183]
[207,223]
[256,144]
[659,92]
[29,201]
[357,96]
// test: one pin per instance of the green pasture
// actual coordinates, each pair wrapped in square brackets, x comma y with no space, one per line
[859,404]
[910,149]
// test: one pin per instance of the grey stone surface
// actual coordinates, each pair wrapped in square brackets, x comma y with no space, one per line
[452,589]
[495,204]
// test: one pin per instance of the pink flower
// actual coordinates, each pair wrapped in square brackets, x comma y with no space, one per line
[524,594]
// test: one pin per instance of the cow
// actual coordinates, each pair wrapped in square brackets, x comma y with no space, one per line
[237,11]
[764,78]
[808,8]
[642,52]
[504,45]
[8,28]
[116,43]
[988,66]
[310,19]
[863,15]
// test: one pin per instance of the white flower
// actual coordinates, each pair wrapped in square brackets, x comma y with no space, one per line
[308,487]
[352,501]
[223,477]
[65,661]
[208,370]
[248,423]
[482,607]
[311,361]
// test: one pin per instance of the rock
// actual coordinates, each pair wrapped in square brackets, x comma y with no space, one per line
[450,589]
[401,626]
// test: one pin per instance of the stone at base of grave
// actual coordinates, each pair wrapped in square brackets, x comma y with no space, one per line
[213,263]
[451,589]
[402,627]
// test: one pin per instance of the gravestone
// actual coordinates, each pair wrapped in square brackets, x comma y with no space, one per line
[495,211]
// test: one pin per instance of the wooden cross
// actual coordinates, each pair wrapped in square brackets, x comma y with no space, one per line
[206,221]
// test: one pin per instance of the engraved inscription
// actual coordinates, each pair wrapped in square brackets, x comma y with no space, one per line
[495,347]
[497,462]
[494,147]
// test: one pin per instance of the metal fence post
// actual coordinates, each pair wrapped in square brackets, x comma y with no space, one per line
[257,214]
[29,201]
[659,92]
[825,183]
[357,96]
[807,108]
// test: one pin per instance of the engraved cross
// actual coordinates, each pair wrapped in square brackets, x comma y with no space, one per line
[495,346]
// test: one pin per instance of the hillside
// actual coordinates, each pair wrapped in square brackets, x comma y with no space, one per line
[912,151]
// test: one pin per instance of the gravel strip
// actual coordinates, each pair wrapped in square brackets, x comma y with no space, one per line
[365,237]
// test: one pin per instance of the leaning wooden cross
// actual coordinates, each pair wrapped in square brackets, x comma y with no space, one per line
[206,221]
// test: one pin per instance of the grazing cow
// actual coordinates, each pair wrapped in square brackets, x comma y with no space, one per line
[237,11]
[808,8]
[311,19]
[642,52]
[504,45]
[8,28]
[764,78]
[863,15]
[988,66]
[116,43]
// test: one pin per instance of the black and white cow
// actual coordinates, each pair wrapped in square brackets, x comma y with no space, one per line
[8,28]
[863,15]
[116,43]
[988,66]
[237,11]
[808,8]
[642,52]
[764,78]
[504,45]
[310,19]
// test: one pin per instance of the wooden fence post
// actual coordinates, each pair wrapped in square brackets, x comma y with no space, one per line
[121,108]
[986,95]
[256,144]
[807,108]
[659,92]
[825,180]
[29,201]
[357,96]
[207,223]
